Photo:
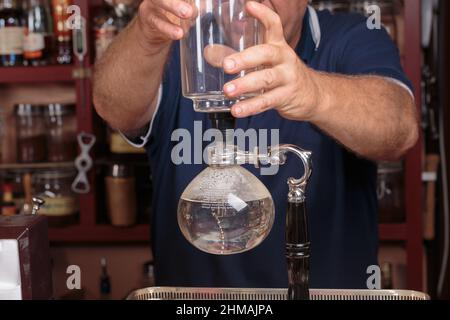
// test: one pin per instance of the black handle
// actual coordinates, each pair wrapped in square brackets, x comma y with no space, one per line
[297,251]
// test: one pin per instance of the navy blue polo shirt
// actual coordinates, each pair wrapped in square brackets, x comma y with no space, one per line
[341,195]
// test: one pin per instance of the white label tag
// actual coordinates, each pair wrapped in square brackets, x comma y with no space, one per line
[33,42]
[11,40]
[429,177]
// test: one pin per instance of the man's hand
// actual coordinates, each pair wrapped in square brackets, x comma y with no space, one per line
[163,21]
[287,82]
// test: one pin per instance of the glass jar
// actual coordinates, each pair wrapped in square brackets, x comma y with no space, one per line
[61,203]
[30,128]
[61,125]
[390,192]
[121,195]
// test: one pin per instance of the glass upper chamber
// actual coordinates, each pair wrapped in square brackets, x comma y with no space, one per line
[221,28]
[226,210]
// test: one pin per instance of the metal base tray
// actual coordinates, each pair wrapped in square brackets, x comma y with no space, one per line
[172,293]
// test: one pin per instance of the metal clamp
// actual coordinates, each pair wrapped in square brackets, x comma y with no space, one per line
[83,163]
[297,187]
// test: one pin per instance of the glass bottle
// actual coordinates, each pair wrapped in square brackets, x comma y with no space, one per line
[63,35]
[104,28]
[113,18]
[8,205]
[120,195]
[11,34]
[38,41]
[105,282]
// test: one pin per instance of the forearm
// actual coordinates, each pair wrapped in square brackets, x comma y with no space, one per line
[127,79]
[369,115]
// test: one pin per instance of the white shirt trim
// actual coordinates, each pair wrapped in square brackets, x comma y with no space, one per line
[315,26]
[401,84]
[146,137]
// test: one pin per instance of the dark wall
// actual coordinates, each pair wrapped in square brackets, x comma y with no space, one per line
[444,83]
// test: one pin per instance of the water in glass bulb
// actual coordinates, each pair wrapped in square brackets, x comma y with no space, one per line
[225,210]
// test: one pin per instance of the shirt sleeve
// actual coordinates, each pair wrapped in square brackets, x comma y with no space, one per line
[140,142]
[365,51]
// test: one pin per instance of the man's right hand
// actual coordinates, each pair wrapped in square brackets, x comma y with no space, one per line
[163,21]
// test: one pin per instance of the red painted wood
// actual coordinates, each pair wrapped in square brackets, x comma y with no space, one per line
[393,232]
[88,204]
[414,161]
[36,74]
[100,234]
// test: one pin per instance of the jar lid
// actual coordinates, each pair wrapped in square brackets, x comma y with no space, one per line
[119,170]
[56,109]
[25,109]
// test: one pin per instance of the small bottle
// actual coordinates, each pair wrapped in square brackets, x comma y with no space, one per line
[8,204]
[120,195]
[11,34]
[105,282]
[148,276]
[38,41]
[63,35]
[105,29]
[114,17]
[386,276]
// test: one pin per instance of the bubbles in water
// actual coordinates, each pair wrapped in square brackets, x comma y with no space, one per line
[226,228]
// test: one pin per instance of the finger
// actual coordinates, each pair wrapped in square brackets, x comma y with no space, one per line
[216,53]
[269,19]
[162,24]
[178,8]
[265,54]
[257,81]
[259,104]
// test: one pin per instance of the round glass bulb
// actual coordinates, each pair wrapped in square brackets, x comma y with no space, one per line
[226,210]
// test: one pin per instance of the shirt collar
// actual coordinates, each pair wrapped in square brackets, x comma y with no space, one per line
[311,35]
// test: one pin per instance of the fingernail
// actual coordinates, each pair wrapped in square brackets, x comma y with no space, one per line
[229,88]
[229,64]
[184,10]
[238,110]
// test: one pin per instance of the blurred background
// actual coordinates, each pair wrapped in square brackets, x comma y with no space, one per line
[101,223]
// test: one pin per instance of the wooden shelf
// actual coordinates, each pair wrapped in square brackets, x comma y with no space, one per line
[36,74]
[393,232]
[100,234]
[35,166]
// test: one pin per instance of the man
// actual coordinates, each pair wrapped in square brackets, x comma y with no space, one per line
[331,86]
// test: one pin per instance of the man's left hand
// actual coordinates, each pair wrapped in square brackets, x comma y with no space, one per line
[286,82]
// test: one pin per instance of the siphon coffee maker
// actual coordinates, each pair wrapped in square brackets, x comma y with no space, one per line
[226,209]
